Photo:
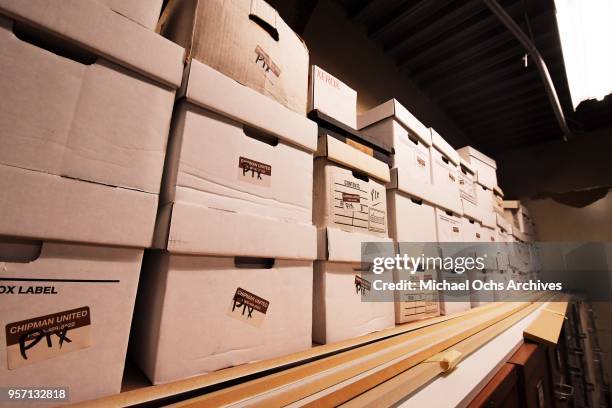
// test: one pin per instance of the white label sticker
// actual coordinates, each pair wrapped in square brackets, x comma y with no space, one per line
[358,204]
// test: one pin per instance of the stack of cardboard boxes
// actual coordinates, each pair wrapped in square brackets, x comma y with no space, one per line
[350,208]
[424,200]
[252,215]
[230,281]
[87,95]
[410,198]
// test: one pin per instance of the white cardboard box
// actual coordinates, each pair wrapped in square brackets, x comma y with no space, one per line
[349,190]
[197,314]
[64,120]
[472,231]
[254,181]
[246,40]
[498,201]
[340,307]
[485,166]
[395,126]
[410,219]
[448,226]
[467,190]
[331,96]
[485,205]
[519,216]
[445,167]
[82,297]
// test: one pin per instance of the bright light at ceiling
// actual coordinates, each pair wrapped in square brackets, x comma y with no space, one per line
[585,30]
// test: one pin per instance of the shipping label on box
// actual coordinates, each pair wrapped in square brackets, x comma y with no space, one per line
[248,307]
[40,338]
[357,203]
[254,172]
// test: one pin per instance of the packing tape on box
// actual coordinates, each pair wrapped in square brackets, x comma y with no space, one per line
[448,359]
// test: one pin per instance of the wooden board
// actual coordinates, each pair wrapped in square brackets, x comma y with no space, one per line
[199,384]
[292,385]
[546,329]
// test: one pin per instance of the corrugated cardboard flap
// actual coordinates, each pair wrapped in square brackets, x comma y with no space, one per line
[401,181]
[392,108]
[199,230]
[468,151]
[212,90]
[442,145]
[97,28]
[498,191]
[343,246]
[346,155]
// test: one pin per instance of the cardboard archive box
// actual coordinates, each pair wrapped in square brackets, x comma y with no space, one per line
[85,115]
[247,41]
[234,235]
[331,96]
[350,208]
[449,229]
[485,167]
[66,314]
[82,130]
[519,216]
[412,220]
[393,125]
[444,168]
[467,190]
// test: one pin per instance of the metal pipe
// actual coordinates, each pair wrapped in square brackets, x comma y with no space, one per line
[537,58]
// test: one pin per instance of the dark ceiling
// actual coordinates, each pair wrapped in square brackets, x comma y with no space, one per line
[472,67]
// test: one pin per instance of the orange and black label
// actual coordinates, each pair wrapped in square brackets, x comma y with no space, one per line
[40,338]
[254,171]
[248,307]
[362,286]
[351,198]
[262,58]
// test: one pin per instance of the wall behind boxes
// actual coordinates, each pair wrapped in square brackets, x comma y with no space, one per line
[578,173]
[342,48]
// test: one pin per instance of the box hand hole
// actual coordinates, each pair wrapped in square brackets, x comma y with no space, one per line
[18,250]
[53,44]
[267,27]
[246,262]
[260,136]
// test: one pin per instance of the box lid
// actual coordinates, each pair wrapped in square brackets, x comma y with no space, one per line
[343,246]
[349,156]
[98,29]
[185,228]
[393,109]
[442,145]
[210,89]
[401,181]
[468,151]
